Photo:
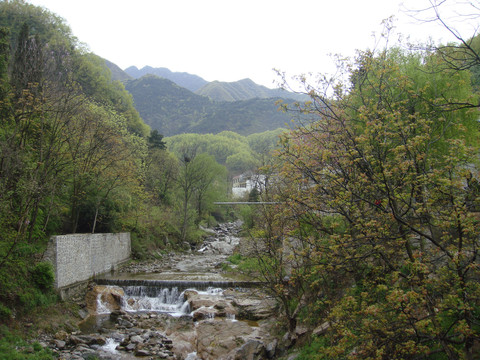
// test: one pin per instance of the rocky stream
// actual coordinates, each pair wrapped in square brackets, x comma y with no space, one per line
[180,307]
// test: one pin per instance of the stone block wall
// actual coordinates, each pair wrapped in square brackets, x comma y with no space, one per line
[79,257]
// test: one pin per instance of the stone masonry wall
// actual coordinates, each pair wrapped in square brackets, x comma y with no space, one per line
[79,257]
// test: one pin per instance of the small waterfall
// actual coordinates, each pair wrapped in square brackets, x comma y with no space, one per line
[102,308]
[150,298]
[166,296]
[110,346]
[210,315]
[231,317]
[143,298]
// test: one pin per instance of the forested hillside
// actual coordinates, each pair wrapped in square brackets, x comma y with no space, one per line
[238,153]
[172,110]
[71,145]
[117,73]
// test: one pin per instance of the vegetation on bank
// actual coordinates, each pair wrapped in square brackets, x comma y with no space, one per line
[13,347]
[75,156]
[373,236]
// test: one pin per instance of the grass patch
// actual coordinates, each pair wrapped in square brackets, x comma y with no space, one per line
[312,351]
[13,347]
[244,264]
[235,259]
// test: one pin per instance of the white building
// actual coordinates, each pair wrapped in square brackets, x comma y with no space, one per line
[246,182]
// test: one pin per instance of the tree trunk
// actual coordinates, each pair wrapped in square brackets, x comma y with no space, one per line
[95,219]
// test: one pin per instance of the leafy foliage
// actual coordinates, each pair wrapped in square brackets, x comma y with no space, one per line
[238,153]
[94,77]
[71,147]
[43,275]
[375,230]
[199,176]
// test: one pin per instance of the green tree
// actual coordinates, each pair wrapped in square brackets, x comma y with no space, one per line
[155,140]
[32,146]
[198,174]
[210,177]
[103,156]
[161,172]
[228,148]
[382,241]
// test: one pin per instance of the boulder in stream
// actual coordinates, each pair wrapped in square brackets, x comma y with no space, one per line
[216,339]
[254,309]
[206,306]
[108,297]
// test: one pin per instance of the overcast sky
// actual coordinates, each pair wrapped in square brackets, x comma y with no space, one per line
[229,40]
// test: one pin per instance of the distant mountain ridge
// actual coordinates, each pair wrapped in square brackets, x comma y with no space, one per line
[186,80]
[117,72]
[244,90]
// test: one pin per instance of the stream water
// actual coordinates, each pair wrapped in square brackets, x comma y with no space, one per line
[182,307]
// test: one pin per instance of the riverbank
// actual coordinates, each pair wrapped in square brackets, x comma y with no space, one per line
[225,324]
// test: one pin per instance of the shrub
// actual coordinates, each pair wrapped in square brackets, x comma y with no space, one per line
[43,276]
[5,312]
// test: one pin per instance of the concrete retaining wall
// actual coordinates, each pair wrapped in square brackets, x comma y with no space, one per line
[79,257]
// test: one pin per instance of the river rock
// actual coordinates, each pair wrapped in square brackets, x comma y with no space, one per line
[142,352]
[208,306]
[182,333]
[110,296]
[204,313]
[136,339]
[217,247]
[253,309]
[271,349]
[183,343]
[75,340]
[91,339]
[60,344]
[130,347]
[216,339]
[196,301]
[251,350]
[61,335]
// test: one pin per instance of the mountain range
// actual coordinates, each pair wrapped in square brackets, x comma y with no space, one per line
[167,102]
[216,90]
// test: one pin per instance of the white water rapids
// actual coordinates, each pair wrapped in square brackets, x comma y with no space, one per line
[164,300]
